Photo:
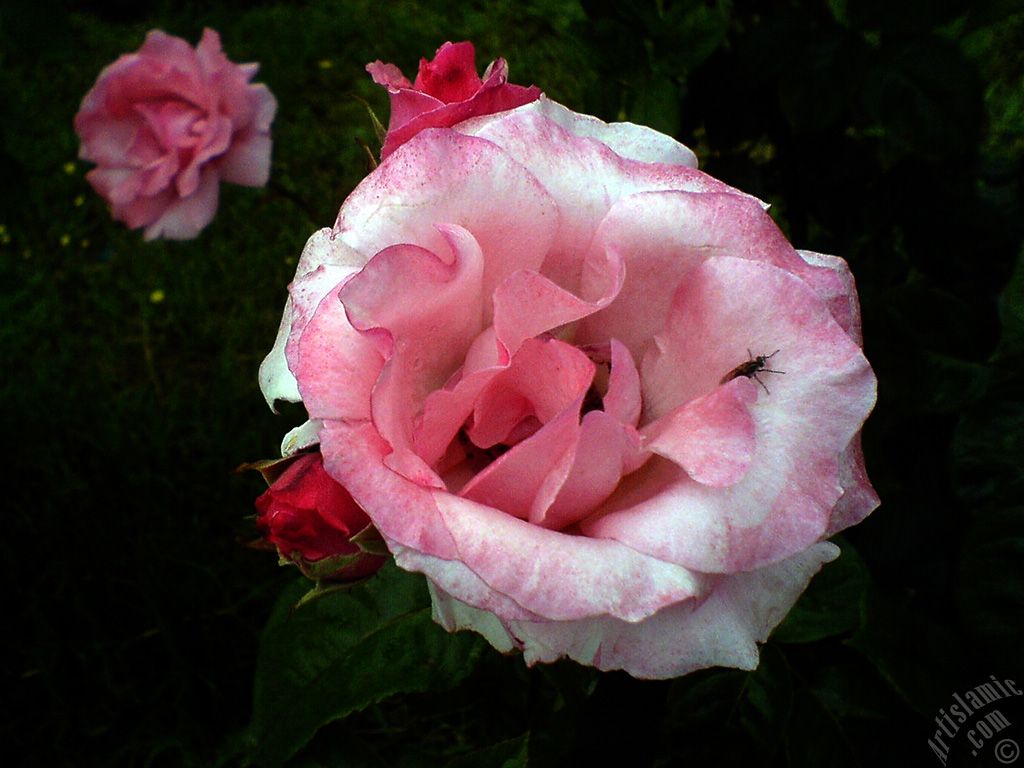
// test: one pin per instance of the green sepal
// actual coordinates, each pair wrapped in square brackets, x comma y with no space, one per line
[370,541]
[271,469]
[378,126]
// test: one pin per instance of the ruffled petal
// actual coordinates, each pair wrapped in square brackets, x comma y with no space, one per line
[658,258]
[623,398]
[532,565]
[336,366]
[544,378]
[711,437]
[525,481]
[420,310]
[722,629]
[606,449]
[187,217]
[527,303]
[784,501]
[451,76]
[584,175]
[322,249]
[443,177]
[247,162]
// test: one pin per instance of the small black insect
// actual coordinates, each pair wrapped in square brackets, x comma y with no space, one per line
[751,368]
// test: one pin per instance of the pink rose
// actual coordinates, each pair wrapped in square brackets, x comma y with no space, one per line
[166,125]
[313,522]
[447,91]
[526,351]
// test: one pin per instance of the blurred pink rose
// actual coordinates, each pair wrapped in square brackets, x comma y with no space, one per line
[166,125]
[519,349]
[312,520]
[447,90]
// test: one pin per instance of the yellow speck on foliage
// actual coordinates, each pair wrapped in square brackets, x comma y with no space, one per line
[80,200]
[326,64]
[69,167]
[157,296]
[65,240]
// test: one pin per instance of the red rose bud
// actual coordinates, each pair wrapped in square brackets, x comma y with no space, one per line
[313,523]
[447,91]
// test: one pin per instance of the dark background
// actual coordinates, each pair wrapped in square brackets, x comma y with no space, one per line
[890,133]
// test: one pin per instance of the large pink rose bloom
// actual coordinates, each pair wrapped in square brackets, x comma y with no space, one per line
[447,91]
[518,348]
[166,124]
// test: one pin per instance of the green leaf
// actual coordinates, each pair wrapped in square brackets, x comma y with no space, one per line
[338,654]
[990,587]
[831,605]
[949,385]
[818,91]
[656,105]
[906,648]
[849,687]
[1011,312]
[767,699]
[816,736]
[689,33]
[734,717]
[985,12]
[925,95]
[507,754]
[987,452]
[902,16]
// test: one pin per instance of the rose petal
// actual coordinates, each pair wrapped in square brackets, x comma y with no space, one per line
[723,629]
[301,437]
[858,498]
[443,177]
[245,163]
[447,91]
[527,303]
[544,378]
[525,481]
[609,577]
[711,437]
[606,449]
[439,310]
[533,565]
[658,257]
[833,282]
[784,501]
[188,216]
[405,512]
[322,249]
[429,303]
[335,365]
[583,174]
[451,76]
[388,75]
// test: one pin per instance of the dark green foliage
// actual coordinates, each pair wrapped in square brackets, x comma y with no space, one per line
[335,655]
[890,133]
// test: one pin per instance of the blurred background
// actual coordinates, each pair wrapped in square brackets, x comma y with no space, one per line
[890,133]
